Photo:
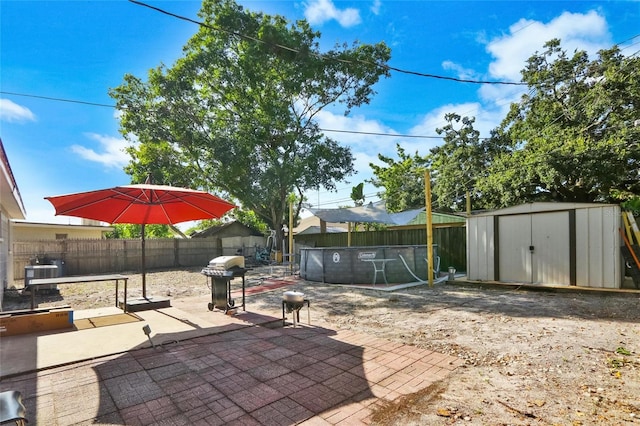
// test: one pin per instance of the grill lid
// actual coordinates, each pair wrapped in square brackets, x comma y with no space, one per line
[293,296]
[226,262]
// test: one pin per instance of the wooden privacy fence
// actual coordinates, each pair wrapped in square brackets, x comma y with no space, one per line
[82,257]
[451,242]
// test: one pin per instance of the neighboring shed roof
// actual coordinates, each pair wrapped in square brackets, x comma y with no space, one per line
[370,213]
[421,218]
[226,227]
[317,230]
[311,225]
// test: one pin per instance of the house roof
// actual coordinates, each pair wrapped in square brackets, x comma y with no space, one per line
[10,198]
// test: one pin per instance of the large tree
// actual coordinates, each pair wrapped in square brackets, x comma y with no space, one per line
[459,163]
[236,114]
[572,137]
[402,180]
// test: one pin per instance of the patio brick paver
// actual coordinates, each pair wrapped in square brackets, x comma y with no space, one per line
[249,376]
[353,413]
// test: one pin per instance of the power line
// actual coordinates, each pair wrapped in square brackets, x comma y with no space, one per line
[56,99]
[73,101]
[398,135]
[48,98]
[346,199]
[321,56]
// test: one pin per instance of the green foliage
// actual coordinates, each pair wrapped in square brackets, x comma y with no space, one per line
[357,194]
[246,217]
[632,205]
[623,351]
[252,220]
[202,225]
[402,180]
[572,137]
[131,231]
[459,163]
[237,116]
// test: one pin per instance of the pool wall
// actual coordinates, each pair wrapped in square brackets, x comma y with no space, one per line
[357,265]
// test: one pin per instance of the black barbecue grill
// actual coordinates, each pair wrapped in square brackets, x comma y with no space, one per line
[220,272]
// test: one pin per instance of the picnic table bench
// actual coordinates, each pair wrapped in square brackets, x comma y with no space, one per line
[42,282]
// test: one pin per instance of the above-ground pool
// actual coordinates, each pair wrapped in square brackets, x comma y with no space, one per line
[366,265]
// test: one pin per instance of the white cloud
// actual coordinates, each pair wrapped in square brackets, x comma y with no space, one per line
[41,211]
[364,147]
[367,141]
[486,119]
[14,113]
[463,73]
[112,154]
[375,7]
[318,12]
[586,32]
[508,54]
[577,31]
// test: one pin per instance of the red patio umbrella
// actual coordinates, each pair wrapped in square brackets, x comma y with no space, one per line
[142,204]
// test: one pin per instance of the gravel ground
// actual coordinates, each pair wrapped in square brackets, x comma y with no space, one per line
[531,357]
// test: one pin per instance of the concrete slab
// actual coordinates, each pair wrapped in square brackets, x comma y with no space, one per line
[37,351]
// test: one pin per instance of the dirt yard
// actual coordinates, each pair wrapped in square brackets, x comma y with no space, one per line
[530,357]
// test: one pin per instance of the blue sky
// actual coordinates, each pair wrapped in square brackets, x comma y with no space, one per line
[78,50]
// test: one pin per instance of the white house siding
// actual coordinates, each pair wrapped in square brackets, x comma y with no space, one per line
[31,231]
[4,252]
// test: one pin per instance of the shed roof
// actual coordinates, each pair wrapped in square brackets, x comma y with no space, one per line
[539,207]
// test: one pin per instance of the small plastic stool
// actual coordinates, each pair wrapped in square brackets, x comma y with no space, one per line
[11,409]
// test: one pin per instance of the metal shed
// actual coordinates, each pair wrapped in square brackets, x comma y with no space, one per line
[547,243]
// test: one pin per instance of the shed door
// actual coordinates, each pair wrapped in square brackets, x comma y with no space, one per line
[535,248]
[514,241]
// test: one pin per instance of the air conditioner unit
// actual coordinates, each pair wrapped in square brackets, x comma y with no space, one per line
[32,272]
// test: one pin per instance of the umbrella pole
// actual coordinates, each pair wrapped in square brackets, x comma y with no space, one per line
[144,275]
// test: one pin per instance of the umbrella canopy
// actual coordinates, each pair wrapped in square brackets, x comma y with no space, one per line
[142,204]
